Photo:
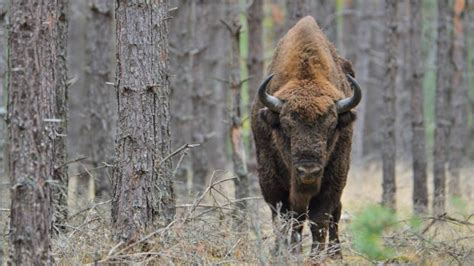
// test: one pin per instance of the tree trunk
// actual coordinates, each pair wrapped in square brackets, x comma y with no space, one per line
[34,79]
[459,95]
[3,92]
[374,95]
[255,53]
[100,101]
[3,95]
[443,80]
[350,18]
[296,10]
[77,102]
[361,64]
[420,190]
[200,94]
[388,144]
[143,192]
[469,146]
[403,130]
[61,111]
[181,87]
[238,151]
[254,65]
[217,110]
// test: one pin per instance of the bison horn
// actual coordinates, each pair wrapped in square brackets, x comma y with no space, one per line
[273,103]
[347,104]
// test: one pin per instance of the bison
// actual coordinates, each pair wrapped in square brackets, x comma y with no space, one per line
[302,122]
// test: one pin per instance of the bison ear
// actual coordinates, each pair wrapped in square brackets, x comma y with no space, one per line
[346,119]
[269,117]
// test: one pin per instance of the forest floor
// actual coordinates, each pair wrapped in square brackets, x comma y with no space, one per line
[210,230]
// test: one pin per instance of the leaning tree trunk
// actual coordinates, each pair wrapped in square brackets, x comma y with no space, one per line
[443,80]
[100,99]
[459,94]
[388,144]
[420,191]
[34,78]
[143,192]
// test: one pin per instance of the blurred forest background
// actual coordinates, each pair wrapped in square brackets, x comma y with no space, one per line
[412,147]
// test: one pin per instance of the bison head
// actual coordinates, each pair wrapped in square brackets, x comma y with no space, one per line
[306,125]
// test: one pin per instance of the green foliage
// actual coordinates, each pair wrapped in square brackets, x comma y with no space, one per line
[367,231]
[459,205]
[415,223]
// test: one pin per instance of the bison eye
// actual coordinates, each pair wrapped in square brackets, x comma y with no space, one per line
[345,119]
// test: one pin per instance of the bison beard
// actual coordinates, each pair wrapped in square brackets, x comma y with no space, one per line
[302,124]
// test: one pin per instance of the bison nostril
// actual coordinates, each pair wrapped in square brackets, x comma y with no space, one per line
[304,170]
[317,170]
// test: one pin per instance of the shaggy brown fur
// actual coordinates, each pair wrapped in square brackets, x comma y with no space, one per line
[309,78]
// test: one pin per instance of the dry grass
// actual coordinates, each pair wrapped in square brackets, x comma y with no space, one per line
[205,231]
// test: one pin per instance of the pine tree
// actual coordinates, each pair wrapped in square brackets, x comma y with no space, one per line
[143,193]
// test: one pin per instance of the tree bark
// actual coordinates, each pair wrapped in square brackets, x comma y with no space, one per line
[238,151]
[77,102]
[403,130]
[443,80]
[376,79]
[254,65]
[36,73]
[181,87]
[3,92]
[420,190]
[469,147]
[459,94]
[255,53]
[100,101]
[143,192]
[200,94]
[217,112]
[388,144]
[357,44]
[61,112]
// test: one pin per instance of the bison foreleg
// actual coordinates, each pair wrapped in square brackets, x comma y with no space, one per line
[288,227]
[319,231]
[334,248]
[296,223]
